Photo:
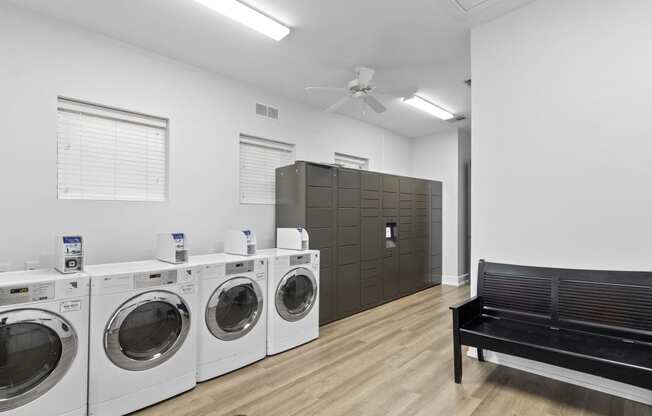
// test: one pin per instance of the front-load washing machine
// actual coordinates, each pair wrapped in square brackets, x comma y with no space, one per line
[293,293]
[43,343]
[233,307]
[142,335]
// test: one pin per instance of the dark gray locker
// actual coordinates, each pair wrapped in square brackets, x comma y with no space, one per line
[348,214]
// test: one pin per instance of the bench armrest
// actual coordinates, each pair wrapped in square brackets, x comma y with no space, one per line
[466,311]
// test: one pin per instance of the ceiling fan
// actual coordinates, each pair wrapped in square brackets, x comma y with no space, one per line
[361,88]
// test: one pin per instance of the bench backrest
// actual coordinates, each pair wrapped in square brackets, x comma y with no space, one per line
[616,303]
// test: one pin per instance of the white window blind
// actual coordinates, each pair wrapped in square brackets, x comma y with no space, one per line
[109,154]
[259,159]
[353,162]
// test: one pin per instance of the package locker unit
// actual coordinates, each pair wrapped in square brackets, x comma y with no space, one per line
[374,231]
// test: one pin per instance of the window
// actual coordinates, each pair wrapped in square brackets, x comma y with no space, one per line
[109,154]
[353,162]
[259,159]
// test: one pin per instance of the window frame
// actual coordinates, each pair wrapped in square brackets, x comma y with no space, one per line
[118,114]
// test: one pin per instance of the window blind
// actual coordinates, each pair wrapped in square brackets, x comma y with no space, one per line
[353,162]
[109,154]
[259,159]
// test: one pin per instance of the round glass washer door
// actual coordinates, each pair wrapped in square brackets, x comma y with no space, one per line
[37,348]
[234,308]
[147,330]
[296,294]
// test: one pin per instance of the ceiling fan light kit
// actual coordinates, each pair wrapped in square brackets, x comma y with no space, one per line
[428,107]
[248,16]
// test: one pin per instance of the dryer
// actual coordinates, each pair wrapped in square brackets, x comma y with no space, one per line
[142,335]
[43,343]
[233,308]
[293,293]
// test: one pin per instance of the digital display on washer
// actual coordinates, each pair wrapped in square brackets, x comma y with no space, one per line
[19,290]
[155,276]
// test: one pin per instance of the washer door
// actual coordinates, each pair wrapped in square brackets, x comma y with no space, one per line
[296,294]
[36,350]
[147,330]
[234,308]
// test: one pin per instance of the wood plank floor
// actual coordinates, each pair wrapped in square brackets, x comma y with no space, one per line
[392,360]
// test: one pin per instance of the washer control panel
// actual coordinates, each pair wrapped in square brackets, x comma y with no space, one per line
[153,279]
[36,292]
[240,267]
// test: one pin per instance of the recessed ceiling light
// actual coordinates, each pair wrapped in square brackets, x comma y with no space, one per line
[428,107]
[247,16]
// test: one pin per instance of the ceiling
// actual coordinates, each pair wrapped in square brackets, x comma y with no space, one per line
[425,45]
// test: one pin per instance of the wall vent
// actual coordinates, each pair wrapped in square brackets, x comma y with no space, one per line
[264,110]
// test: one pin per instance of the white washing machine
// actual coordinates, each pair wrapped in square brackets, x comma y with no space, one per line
[293,293]
[43,343]
[142,335]
[233,308]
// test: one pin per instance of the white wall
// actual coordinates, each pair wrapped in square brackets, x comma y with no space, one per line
[42,59]
[562,149]
[437,157]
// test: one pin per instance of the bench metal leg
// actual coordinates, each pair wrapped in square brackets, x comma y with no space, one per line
[480,355]
[457,357]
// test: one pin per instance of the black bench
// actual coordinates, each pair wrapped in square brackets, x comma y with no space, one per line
[596,322]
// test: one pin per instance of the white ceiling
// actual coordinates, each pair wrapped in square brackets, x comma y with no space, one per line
[421,43]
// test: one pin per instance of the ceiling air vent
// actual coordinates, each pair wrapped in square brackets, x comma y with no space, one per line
[266,111]
[468,5]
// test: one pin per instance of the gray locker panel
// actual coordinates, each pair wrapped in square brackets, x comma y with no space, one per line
[319,217]
[348,254]
[436,240]
[348,198]
[405,246]
[435,276]
[390,200]
[348,290]
[319,197]
[405,212]
[421,274]
[390,274]
[372,292]
[405,204]
[369,212]
[327,296]
[390,183]
[319,175]
[436,188]
[406,197]
[370,203]
[370,268]
[420,231]
[347,217]
[370,195]
[348,179]
[406,275]
[436,215]
[420,198]
[390,213]
[348,235]
[436,202]
[406,220]
[321,238]
[291,195]
[435,261]
[419,245]
[420,212]
[406,185]
[370,181]
[326,257]
[371,238]
[420,204]
[405,231]
[420,187]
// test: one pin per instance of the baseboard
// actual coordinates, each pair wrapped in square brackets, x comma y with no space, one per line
[577,378]
[455,280]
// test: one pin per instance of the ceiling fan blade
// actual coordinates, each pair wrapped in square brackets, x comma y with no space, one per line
[333,108]
[325,89]
[376,105]
[399,92]
[365,75]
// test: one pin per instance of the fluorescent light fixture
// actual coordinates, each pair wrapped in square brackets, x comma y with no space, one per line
[247,16]
[428,107]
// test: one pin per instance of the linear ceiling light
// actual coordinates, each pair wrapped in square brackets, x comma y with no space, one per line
[247,16]
[428,107]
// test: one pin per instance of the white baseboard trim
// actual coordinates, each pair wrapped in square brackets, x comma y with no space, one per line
[455,280]
[577,378]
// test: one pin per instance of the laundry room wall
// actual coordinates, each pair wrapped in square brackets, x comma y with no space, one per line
[561,144]
[42,59]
